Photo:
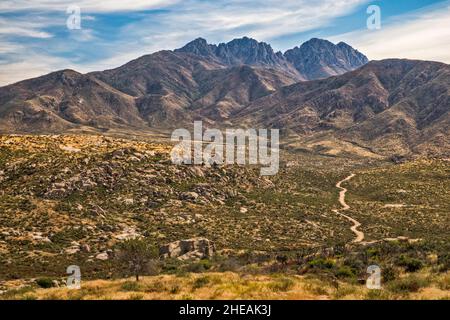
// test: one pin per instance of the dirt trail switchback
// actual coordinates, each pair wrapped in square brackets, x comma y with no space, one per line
[345,207]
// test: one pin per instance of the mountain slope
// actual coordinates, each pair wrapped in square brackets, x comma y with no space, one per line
[157,90]
[389,106]
[63,100]
[392,104]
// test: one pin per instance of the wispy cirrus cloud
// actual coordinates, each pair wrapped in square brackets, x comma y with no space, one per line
[35,65]
[23,28]
[87,5]
[114,32]
[423,34]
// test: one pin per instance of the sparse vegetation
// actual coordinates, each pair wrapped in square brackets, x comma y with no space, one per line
[59,208]
[138,254]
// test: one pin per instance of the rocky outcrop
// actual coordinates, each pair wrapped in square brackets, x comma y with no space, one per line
[196,248]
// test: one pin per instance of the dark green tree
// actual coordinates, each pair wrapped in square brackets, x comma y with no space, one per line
[139,255]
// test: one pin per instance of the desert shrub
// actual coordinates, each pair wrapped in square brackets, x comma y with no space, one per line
[444,262]
[29,296]
[373,252]
[389,273]
[408,284]
[321,263]
[282,284]
[343,291]
[356,264]
[172,266]
[377,295]
[200,282]
[444,282]
[44,282]
[344,272]
[175,289]
[136,296]
[130,286]
[200,266]
[230,264]
[157,286]
[410,264]
[207,264]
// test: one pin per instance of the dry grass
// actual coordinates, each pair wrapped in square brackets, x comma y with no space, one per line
[229,286]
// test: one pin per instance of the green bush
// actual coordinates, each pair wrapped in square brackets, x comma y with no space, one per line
[389,274]
[410,264]
[356,264]
[200,282]
[321,263]
[44,283]
[408,284]
[373,252]
[344,272]
[199,267]
[130,286]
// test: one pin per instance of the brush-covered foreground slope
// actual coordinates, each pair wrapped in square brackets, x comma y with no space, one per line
[388,106]
[67,199]
[235,286]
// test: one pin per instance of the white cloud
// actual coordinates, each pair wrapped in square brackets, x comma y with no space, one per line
[263,22]
[221,21]
[19,27]
[422,35]
[33,66]
[216,20]
[85,5]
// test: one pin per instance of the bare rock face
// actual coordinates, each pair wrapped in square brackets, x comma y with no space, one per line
[196,248]
[318,59]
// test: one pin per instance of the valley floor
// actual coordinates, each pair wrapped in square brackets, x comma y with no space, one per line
[68,200]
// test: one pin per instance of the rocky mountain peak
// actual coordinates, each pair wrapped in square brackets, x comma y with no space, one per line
[247,51]
[314,59]
[199,47]
[318,58]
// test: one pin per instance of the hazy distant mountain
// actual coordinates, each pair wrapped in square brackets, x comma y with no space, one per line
[391,105]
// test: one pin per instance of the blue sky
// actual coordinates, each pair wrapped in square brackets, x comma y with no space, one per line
[35,40]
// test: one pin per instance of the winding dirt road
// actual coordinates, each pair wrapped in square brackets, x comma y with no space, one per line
[345,206]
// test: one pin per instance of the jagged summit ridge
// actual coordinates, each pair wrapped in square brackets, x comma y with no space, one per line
[314,59]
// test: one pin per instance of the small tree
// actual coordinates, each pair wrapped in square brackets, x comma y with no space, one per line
[138,254]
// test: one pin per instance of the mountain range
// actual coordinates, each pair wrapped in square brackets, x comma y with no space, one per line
[318,90]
